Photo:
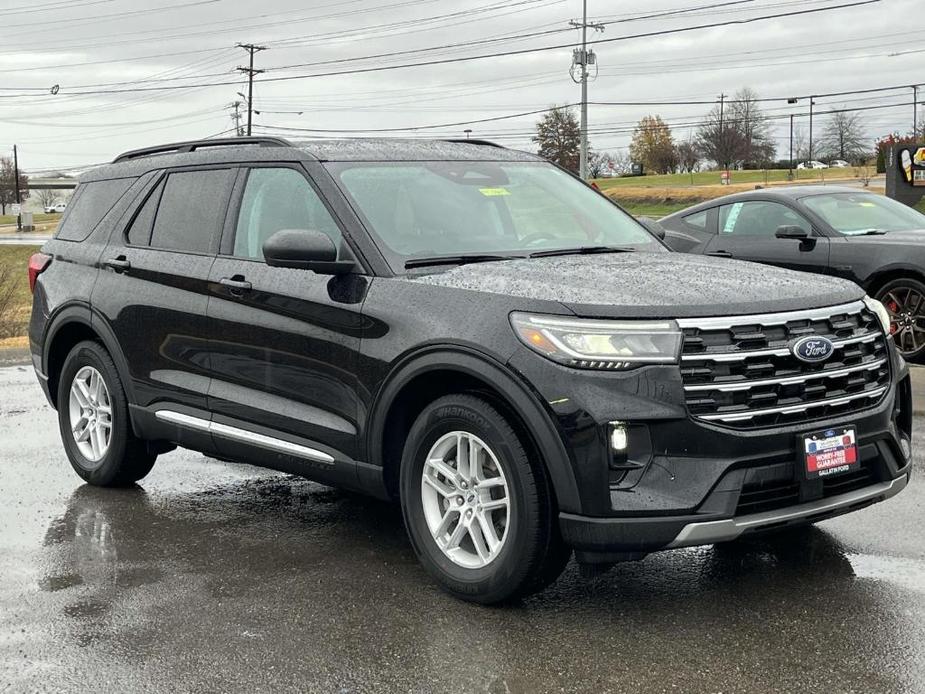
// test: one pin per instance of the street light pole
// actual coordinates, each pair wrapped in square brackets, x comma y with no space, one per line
[812,102]
[790,175]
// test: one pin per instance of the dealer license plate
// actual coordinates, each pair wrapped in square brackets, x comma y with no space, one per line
[830,452]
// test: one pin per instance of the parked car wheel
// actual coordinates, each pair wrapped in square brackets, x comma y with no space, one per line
[478,510]
[904,299]
[94,422]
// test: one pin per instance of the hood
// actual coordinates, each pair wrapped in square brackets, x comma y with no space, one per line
[650,285]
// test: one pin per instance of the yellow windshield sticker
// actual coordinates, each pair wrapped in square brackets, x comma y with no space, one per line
[493,192]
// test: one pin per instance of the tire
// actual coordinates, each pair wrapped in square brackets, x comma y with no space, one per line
[528,552]
[116,458]
[904,298]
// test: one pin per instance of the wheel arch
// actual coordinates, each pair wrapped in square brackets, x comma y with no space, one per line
[427,375]
[892,272]
[69,326]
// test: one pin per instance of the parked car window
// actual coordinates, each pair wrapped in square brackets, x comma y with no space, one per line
[758,218]
[858,213]
[90,204]
[139,234]
[191,210]
[698,220]
[450,207]
[277,199]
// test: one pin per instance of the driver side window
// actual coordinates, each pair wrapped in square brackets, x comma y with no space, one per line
[759,218]
[276,199]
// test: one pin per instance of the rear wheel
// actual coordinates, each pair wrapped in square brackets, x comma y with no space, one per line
[904,299]
[478,510]
[94,422]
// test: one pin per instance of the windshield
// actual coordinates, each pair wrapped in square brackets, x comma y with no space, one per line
[859,213]
[429,209]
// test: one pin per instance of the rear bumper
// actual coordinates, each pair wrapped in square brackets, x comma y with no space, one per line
[640,536]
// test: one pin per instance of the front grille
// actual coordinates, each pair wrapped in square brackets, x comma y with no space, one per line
[740,372]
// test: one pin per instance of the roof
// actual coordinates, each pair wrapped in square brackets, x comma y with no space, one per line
[793,192]
[232,150]
[410,149]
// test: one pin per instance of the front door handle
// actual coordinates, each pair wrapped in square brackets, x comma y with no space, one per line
[237,285]
[119,264]
[720,254]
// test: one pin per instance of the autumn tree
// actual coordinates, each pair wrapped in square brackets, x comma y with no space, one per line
[8,183]
[558,136]
[652,145]
[843,137]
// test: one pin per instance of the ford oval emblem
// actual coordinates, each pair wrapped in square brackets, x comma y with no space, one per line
[812,349]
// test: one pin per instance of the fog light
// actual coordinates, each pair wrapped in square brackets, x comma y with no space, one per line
[906,447]
[618,437]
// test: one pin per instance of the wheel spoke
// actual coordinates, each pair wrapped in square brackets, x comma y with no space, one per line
[81,392]
[490,482]
[95,443]
[82,430]
[494,505]
[459,532]
[488,532]
[478,540]
[440,466]
[462,455]
[445,522]
[475,461]
[441,488]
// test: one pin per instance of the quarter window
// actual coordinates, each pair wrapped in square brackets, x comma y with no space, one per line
[698,220]
[191,210]
[91,203]
[758,218]
[276,199]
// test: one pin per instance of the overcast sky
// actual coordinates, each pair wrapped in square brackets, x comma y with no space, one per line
[125,45]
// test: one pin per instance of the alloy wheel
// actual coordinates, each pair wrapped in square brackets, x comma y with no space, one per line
[465,499]
[906,306]
[90,410]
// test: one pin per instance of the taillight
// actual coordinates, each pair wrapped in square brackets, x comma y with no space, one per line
[37,264]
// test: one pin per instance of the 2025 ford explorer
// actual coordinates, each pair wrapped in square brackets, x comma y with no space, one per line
[466,329]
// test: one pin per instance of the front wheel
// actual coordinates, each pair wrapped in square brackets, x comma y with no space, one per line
[904,299]
[94,421]
[479,512]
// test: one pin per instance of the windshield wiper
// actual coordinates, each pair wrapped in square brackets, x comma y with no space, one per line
[456,259]
[869,232]
[583,250]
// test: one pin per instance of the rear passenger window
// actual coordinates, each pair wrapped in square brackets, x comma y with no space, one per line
[89,205]
[191,210]
[139,234]
[698,220]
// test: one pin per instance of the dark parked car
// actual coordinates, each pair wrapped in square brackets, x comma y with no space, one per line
[867,238]
[468,330]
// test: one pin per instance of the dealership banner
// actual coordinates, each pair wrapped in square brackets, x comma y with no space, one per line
[905,173]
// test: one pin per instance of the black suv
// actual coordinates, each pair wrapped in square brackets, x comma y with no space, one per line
[469,330]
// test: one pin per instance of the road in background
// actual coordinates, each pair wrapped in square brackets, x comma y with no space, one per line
[213,577]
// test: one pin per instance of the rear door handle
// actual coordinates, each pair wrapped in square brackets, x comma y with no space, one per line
[120,264]
[237,285]
[720,254]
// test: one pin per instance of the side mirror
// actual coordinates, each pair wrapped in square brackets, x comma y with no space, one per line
[304,249]
[653,226]
[788,231]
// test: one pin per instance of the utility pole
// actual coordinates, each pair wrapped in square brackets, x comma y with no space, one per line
[915,111]
[18,197]
[812,102]
[582,58]
[722,132]
[790,175]
[250,72]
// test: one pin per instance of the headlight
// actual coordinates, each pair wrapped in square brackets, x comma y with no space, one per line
[879,309]
[599,344]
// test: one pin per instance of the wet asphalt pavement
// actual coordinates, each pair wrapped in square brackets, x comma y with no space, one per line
[212,577]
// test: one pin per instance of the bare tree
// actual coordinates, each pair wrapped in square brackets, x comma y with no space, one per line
[47,197]
[688,156]
[843,137]
[737,134]
[8,183]
[800,146]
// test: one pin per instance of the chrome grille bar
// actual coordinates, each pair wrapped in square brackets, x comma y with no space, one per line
[788,381]
[794,409]
[780,352]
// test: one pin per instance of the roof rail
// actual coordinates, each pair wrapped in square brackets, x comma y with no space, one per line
[193,145]
[466,141]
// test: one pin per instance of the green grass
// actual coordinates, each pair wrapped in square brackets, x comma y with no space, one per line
[37,218]
[921,206]
[712,178]
[654,210]
[15,319]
